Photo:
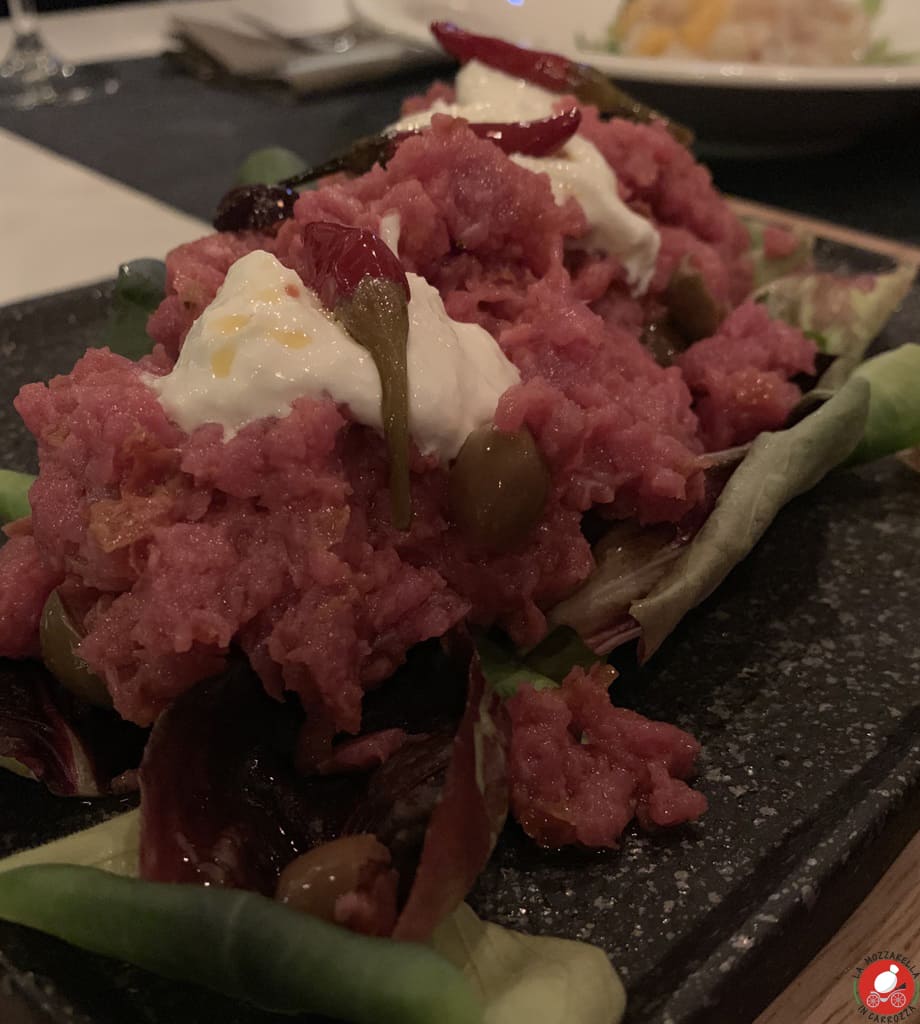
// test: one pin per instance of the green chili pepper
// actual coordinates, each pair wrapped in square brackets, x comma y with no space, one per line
[377,317]
[240,944]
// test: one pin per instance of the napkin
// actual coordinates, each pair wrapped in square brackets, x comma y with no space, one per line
[259,52]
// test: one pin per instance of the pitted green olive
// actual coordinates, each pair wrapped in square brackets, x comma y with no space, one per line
[692,309]
[59,638]
[498,487]
[314,881]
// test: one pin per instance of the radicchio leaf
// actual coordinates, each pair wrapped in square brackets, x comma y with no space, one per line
[219,801]
[49,735]
[632,559]
[468,817]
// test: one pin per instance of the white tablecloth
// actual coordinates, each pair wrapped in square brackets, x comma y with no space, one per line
[64,225]
[88,223]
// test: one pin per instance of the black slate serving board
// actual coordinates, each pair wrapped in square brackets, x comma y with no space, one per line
[801,677]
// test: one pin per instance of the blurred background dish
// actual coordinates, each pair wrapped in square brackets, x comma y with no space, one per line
[822,32]
[863,74]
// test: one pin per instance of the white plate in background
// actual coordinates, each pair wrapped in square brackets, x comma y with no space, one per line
[743,108]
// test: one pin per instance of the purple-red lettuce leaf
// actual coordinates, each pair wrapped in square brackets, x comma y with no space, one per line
[630,560]
[220,803]
[49,735]
[468,815]
[647,579]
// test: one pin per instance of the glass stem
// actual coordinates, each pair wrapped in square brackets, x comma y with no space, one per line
[24,18]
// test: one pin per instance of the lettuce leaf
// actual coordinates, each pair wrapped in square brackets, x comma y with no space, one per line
[769,268]
[516,977]
[528,978]
[778,467]
[893,424]
[842,313]
[111,846]
[14,495]
[544,666]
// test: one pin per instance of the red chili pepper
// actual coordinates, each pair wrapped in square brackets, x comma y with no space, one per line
[336,259]
[551,71]
[264,207]
[531,138]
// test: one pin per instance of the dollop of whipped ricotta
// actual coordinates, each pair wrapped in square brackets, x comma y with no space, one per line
[266,340]
[578,170]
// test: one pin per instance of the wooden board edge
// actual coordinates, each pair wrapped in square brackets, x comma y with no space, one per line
[900,251]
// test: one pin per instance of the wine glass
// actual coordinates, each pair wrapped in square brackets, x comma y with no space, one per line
[31,75]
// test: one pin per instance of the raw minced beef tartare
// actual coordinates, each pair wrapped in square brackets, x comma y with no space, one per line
[171,546]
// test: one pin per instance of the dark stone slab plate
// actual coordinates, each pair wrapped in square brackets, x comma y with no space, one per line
[801,677]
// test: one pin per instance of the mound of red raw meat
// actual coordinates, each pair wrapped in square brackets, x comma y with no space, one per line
[279,541]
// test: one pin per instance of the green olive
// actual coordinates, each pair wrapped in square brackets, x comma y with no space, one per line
[59,638]
[692,310]
[663,343]
[497,488]
[314,881]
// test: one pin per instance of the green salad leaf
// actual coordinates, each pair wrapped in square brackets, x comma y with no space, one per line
[247,946]
[893,424]
[139,289]
[778,467]
[111,846]
[880,51]
[269,165]
[842,313]
[544,666]
[526,978]
[770,268]
[14,494]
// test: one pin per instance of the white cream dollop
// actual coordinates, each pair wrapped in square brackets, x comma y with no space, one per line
[266,341]
[484,94]
[578,170]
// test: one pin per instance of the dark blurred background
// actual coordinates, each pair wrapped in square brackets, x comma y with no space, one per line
[61,5]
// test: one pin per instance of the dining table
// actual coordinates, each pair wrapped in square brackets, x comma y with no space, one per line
[84,188]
